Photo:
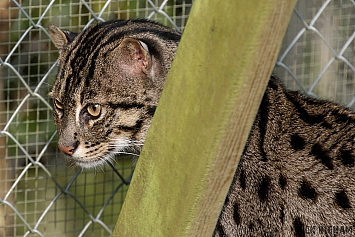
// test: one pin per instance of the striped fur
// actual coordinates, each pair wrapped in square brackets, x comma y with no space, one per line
[120,66]
[296,176]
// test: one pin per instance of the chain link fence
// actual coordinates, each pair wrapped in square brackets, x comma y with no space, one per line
[39,194]
[317,55]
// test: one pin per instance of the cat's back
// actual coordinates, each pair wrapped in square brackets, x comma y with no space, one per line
[297,172]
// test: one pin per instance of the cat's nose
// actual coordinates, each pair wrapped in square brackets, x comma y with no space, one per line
[69,150]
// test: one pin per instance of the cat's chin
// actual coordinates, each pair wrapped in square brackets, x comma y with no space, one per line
[99,161]
[88,163]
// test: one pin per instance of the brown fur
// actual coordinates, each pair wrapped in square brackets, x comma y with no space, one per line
[120,66]
[296,175]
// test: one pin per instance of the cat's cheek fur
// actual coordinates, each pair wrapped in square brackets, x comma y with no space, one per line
[89,158]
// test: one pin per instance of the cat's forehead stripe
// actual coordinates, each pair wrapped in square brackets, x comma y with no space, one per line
[126,105]
[92,42]
[75,54]
[77,65]
[83,66]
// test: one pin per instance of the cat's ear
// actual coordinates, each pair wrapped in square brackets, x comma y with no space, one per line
[61,38]
[137,54]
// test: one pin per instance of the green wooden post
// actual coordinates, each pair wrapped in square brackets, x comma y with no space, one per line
[208,105]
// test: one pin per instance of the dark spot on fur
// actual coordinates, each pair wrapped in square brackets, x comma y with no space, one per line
[282,215]
[92,93]
[304,114]
[322,155]
[219,229]
[341,118]
[133,128]
[242,179]
[314,119]
[297,142]
[236,215]
[263,158]
[151,110]
[347,158]
[226,201]
[272,84]
[264,187]
[342,199]
[306,191]
[108,132]
[298,227]
[251,226]
[263,121]
[326,124]
[126,106]
[282,181]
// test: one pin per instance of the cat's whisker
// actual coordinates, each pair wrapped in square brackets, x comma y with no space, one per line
[130,142]
[126,153]
[71,164]
[111,158]
[134,161]
[124,146]
[47,84]
[111,161]
[101,166]
[134,149]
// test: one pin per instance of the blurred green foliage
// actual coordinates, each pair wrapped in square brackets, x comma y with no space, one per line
[28,116]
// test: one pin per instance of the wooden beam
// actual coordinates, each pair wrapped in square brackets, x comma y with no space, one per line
[207,108]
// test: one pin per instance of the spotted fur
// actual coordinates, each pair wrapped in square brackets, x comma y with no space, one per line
[296,176]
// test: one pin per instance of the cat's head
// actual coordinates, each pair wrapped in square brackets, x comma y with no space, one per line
[109,81]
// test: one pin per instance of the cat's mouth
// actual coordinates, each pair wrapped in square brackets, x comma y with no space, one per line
[91,154]
[87,163]
[101,155]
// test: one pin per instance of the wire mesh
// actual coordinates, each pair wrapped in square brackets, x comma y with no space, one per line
[317,55]
[39,194]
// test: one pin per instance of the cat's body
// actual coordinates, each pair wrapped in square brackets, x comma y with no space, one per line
[296,175]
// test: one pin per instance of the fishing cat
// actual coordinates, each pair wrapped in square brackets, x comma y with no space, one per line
[296,176]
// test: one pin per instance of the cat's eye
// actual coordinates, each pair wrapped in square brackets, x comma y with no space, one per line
[94,110]
[58,104]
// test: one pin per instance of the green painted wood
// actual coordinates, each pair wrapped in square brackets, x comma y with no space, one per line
[207,108]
